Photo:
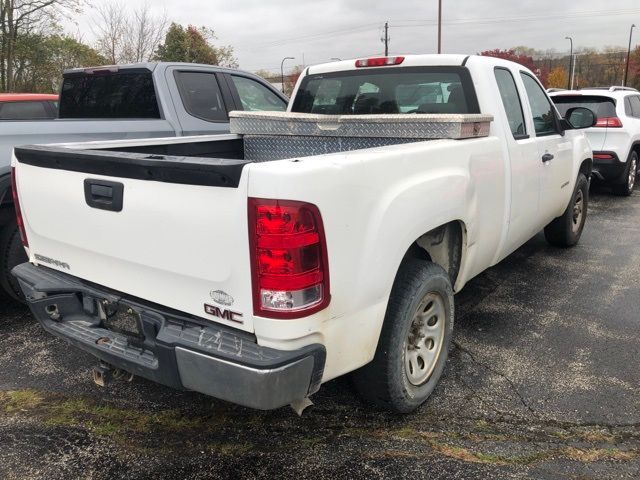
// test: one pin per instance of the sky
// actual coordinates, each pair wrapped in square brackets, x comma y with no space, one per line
[263,32]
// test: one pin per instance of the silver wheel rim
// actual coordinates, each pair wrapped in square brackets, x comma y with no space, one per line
[425,338]
[578,211]
[632,174]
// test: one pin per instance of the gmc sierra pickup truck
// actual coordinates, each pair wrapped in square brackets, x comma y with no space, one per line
[124,102]
[306,244]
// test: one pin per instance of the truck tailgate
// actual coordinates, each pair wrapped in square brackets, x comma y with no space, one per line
[179,240]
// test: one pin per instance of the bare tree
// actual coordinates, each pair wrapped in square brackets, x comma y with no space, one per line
[19,16]
[124,37]
[110,29]
[146,32]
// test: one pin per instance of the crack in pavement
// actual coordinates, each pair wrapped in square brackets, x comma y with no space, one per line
[498,373]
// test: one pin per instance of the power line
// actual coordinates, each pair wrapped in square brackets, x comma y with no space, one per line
[488,20]
[413,23]
[332,33]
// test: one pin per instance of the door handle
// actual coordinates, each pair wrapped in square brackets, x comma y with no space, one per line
[103,194]
[547,157]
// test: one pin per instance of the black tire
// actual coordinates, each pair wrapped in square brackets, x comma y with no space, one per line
[630,175]
[11,254]
[385,381]
[565,231]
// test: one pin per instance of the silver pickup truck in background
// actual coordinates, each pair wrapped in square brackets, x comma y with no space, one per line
[122,102]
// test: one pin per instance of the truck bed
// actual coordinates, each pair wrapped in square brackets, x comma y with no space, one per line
[161,219]
[256,137]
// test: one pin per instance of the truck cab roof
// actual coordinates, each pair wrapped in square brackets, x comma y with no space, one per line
[430,60]
[151,66]
[27,97]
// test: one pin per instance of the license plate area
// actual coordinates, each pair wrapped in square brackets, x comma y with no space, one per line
[121,318]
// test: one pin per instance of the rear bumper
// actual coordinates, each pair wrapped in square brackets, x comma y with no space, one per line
[174,349]
[611,169]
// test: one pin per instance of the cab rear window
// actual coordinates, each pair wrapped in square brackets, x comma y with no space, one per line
[601,106]
[396,90]
[123,94]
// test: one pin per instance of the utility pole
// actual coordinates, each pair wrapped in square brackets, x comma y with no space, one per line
[282,70]
[385,40]
[626,68]
[439,26]
[570,63]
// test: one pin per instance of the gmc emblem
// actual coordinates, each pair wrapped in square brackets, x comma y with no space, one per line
[223,314]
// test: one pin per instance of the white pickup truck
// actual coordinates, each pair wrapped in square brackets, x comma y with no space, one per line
[329,239]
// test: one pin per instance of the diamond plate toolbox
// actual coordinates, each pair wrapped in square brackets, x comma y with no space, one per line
[264,148]
[415,126]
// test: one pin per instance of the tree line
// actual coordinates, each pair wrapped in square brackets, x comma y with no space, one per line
[591,67]
[35,49]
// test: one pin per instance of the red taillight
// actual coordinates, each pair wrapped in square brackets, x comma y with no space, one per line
[288,258]
[603,156]
[379,61]
[16,204]
[610,122]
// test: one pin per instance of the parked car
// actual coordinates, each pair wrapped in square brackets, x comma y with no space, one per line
[28,106]
[255,266]
[615,137]
[130,101]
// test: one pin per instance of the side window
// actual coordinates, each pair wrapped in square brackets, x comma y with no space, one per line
[634,100]
[627,107]
[23,111]
[255,96]
[543,115]
[511,102]
[201,95]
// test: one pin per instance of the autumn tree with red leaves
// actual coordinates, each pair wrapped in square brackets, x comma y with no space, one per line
[521,58]
[194,45]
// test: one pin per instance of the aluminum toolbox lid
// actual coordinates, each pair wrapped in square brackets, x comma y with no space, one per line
[410,125]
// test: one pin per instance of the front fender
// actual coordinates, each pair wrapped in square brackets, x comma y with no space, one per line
[582,150]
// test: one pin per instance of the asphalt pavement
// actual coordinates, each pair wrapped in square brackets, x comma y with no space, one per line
[542,382]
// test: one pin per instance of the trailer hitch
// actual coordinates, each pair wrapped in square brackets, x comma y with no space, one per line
[103,374]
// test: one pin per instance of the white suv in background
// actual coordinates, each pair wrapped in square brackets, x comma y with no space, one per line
[615,138]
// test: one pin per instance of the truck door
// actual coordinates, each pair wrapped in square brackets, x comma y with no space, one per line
[524,163]
[555,152]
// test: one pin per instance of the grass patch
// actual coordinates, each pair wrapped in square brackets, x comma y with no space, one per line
[20,400]
[588,455]
[597,436]
[105,420]
[215,430]
[466,455]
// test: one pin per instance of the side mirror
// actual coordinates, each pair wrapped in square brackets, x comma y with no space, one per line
[580,117]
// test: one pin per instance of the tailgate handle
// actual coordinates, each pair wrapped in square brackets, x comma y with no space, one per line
[103,194]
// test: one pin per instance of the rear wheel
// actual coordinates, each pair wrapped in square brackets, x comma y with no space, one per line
[631,175]
[414,342]
[11,254]
[565,231]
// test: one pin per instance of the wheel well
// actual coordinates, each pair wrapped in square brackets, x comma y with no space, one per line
[636,148]
[6,200]
[443,246]
[5,190]
[586,167]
